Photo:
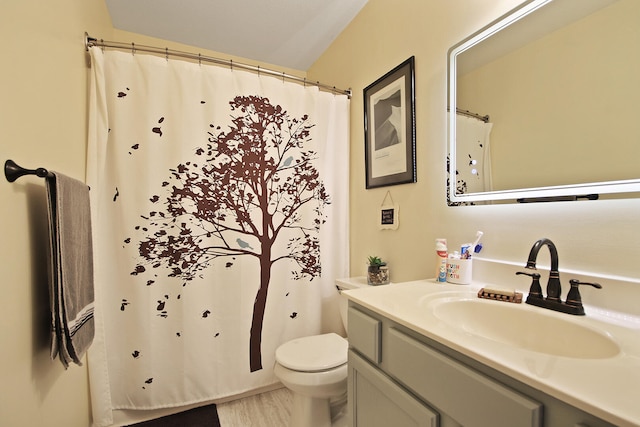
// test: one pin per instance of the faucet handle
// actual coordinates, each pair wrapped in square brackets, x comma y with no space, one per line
[573,297]
[535,291]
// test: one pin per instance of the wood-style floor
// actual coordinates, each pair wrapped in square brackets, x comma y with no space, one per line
[271,409]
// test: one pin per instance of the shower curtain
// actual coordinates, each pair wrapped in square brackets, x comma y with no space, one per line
[473,155]
[220,223]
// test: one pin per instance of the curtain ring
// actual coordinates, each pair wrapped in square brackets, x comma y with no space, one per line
[258,71]
[304,82]
[231,64]
[102,45]
[199,59]
[166,53]
[133,48]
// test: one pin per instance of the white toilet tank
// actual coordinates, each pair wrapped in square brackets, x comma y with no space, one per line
[345,285]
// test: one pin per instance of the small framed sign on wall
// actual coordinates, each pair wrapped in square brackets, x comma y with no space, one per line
[389,214]
[389,128]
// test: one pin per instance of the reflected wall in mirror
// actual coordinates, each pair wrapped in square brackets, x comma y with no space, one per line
[560,81]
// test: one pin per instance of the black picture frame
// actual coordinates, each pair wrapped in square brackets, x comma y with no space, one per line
[390,127]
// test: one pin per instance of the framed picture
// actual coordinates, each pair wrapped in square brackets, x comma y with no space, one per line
[390,128]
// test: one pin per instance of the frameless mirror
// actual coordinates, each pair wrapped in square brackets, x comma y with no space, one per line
[560,83]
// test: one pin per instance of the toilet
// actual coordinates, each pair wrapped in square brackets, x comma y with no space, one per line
[314,368]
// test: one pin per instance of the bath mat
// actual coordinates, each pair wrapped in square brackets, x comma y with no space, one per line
[204,416]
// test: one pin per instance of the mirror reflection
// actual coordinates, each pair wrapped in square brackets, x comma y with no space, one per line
[561,90]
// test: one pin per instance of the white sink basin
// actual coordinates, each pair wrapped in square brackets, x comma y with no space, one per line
[523,326]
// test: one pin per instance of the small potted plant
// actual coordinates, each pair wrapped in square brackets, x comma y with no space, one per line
[377,271]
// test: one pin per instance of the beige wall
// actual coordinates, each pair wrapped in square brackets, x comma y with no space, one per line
[42,123]
[592,237]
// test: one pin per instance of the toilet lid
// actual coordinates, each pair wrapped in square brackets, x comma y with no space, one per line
[312,354]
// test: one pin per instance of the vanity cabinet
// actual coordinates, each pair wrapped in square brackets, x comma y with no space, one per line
[398,377]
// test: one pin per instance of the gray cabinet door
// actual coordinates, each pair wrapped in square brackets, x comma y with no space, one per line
[376,401]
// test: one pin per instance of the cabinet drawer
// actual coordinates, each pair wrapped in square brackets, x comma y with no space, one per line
[470,398]
[364,334]
[376,401]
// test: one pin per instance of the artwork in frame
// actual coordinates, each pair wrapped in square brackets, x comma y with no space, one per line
[390,128]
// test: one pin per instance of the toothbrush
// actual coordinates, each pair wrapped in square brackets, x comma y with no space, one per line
[475,243]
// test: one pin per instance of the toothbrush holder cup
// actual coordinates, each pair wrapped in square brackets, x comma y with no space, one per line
[459,271]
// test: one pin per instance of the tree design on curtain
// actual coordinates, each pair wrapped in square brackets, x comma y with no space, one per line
[247,193]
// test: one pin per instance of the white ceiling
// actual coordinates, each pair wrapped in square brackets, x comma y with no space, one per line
[287,33]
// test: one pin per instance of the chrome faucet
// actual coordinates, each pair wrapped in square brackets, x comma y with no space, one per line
[573,305]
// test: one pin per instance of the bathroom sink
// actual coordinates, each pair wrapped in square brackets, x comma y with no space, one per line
[525,326]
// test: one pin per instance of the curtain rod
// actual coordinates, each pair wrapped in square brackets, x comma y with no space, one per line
[468,113]
[93,42]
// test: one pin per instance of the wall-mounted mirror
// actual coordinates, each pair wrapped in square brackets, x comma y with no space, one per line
[560,83]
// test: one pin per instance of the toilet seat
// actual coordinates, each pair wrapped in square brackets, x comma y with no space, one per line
[313,354]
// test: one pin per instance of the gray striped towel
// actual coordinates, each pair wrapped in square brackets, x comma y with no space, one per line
[71,284]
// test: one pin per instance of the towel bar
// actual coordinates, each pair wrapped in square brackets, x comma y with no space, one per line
[12,171]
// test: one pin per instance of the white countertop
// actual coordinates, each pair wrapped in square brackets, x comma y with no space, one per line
[608,388]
